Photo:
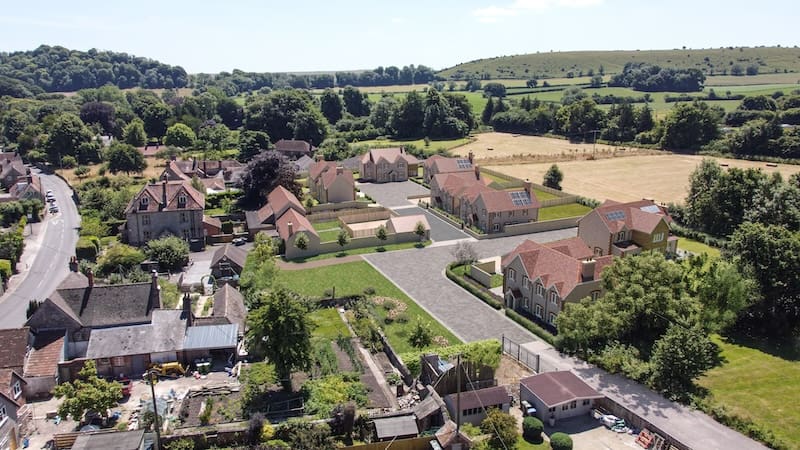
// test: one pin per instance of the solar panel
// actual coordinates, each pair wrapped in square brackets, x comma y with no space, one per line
[615,215]
[463,163]
[653,209]
[520,198]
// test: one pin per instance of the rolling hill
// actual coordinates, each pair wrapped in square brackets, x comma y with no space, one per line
[718,61]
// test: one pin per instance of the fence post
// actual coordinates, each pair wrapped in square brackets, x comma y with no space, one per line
[537,363]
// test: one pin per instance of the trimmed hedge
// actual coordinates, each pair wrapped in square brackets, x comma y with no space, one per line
[531,326]
[480,352]
[87,247]
[5,270]
[532,429]
[472,289]
[560,441]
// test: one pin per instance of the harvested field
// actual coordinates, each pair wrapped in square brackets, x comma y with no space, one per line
[664,178]
[506,147]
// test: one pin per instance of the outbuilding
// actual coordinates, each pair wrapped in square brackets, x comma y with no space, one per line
[558,395]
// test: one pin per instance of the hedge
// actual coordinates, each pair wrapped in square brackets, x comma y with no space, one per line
[5,270]
[472,289]
[560,441]
[531,326]
[87,247]
[485,353]
[532,429]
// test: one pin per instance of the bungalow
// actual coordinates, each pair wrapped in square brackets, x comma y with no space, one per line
[558,395]
[330,183]
[165,208]
[383,165]
[539,279]
[294,149]
[476,404]
[228,262]
[622,229]
[437,164]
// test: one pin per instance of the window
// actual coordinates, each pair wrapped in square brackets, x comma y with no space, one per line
[524,212]
[551,410]
[564,407]
[512,274]
[553,298]
[525,283]
[527,303]
[17,388]
[183,217]
[146,219]
[146,235]
[2,414]
[621,236]
[118,361]
[539,289]
[497,227]
[586,402]
[552,319]
[538,311]
[658,237]
[143,202]
[598,251]
[186,234]
[181,201]
[595,295]
[573,405]
[511,214]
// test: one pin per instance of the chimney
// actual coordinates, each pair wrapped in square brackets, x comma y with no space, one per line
[477,172]
[187,308]
[528,187]
[339,170]
[194,164]
[164,194]
[587,270]
[219,164]
[73,264]
[90,277]
[471,156]
[205,172]
[154,280]
[290,228]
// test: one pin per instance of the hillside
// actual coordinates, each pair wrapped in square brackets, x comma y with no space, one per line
[561,64]
[57,69]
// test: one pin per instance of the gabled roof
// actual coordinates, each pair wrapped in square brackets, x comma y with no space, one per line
[497,201]
[641,215]
[280,198]
[442,164]
[236,255]
[293,146]
[390,155]
[491,396]
[165,333]
[43,359]
[303,163]
[556,388]
[155,193]
[212,222]
[175,171]
[229,303]
[316,169]
[6,376]
[457,183]
[298,221]
[330,176]
[13,346]
[108,305]
[389,427]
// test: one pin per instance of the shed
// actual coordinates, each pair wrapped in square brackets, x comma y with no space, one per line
[475,404]
[120,440]
[399,427]
[558,395]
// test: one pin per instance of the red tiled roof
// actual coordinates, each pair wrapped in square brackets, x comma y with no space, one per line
[293,146]
[447,165]
[298,221]
[155,193]
[631,216]
[455,184]
[556,388]
[316,169]
[496,201]
[391,155]
[174,171]
[46,352]
[329,176]
[13,348]
[280,197]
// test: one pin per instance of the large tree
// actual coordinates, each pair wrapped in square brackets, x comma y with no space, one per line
[691,125]
[355,102]
[252,143]
[180,135]
[66,134]
[125,158]
[553,177]
[280,330]
[230,112]
[276,114]
[502,428]
[155,119]
[87,393]
[134,134]
[408,120]
[171,252]
[331,106]
[100,113]
[680,356]
[265,172]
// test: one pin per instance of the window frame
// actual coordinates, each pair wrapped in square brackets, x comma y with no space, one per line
[551,319]
[146,219]
[512,274]
[16,388]
[658,237]
[537,308]
[539,289]
[3,414]
[620,236]
[554,297]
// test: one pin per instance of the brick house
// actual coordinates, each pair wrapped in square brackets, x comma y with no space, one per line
[11,169]
[265,218]
[162,209]
[330,183]
[382,165]
[539,279]
[437,164]
[622,229]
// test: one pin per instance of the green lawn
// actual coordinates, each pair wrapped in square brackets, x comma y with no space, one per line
[363,250]
[522,444]
[497,279]
[542,195]
[697,247]
[327,225]
[562,211]
[352,279]
[760,386]
[329,324]
[328,231]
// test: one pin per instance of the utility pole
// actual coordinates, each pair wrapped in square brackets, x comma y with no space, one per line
[458,394]
[153,376]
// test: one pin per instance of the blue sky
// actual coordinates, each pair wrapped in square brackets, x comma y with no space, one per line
[271,36]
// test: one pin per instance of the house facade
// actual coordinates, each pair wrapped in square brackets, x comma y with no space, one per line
[622,229]
[28,187]
[228,262]
[9,428]
[162,209]
[383,165]
[279,201]
[437,164]
[539,279]
[476,404]
[11,169]
[330,183]
[558,395]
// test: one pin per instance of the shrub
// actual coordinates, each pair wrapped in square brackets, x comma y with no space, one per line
[171,252]
[68,162]
[532,429]
[531,326]
[87,248]
[5,270]
[120,256]
[560,441]
[472,289]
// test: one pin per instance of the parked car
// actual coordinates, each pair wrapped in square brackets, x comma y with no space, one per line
[527,408]
[239,241]
[53,209]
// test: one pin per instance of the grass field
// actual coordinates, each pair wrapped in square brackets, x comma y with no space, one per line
[352,279]
[762,386]
[329,324]
[491,147]
[418,143]
[542,195]
[696,247]
[563,211]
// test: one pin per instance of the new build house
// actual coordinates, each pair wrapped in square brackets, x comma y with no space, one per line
[437,164]
[382,165]
[622,229]
[331,183]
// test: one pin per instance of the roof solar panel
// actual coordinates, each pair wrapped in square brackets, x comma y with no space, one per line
[520,198]
[463,163]
[615,215]
[653,209]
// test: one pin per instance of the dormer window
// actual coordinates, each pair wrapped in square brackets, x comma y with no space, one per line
[182,201]
[17,388]
[144,202]
[620,236]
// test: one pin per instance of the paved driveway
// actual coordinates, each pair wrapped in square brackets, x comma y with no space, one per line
[440,230]
[392,195]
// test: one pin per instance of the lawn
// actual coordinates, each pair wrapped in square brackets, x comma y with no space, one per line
[328,231]
[352,279]
[329,324]
[418,143]
[542,195]
[562,211]
[522,444]
[363,250]
[762,386]
[696,247]
[497,279]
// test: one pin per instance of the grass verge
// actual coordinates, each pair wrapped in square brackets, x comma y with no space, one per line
[697,247]
[364,251]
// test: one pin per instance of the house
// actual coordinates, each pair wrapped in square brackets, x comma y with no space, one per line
[330,183]
[215,176]
[12,403]
[539,279]
[437,164]
[558,395]
[228,262]
[382,165]
[162,209]
[212,226]
[265,218]
[294,149]
[11,169]
[289,226]
[117,440]
[447,189]
[28,187]
[394,428]
[622,229]
[302,164]
[41,364]
[475,404]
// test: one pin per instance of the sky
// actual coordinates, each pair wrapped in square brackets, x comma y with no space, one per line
[315,35]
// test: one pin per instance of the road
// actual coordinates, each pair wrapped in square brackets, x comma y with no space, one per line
[46,255]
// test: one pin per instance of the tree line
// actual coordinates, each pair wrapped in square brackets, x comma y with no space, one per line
[652,78]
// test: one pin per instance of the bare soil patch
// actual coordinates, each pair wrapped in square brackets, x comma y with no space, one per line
[509,373]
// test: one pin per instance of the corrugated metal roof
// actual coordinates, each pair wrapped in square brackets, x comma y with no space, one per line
[396,427]
[211,336]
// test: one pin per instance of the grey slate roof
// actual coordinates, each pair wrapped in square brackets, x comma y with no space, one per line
[229,303]
[211,336]
[389,427]
[164,334]
[118,304]
[234,254]
[120,440]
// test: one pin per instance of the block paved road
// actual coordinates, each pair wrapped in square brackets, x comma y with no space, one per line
[420,274]
[440,230]
[392,195]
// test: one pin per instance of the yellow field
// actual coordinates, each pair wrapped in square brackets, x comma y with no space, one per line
[664,178]
[502,146]
[155,167]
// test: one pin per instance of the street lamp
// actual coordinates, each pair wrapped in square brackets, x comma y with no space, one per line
[152,376]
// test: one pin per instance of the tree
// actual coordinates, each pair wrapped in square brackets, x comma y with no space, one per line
[408,120]
[691,125]
[301,241]
[87,393]
[355,102]
[420,230]
[503,429]
[252,143]
[722,289]
[14,124]
[214,136]
[265,172]
[101,113]
[134,134]
[494,90]
[66,134]
[119,257]
[421,334]
[560,441]
[276,114]
[257,378]
[679,356]
[280,330]
[342,238]
[124,158]
[81,171]
[597,81]
[553,177]
[180,135]
[171,252]
[464,253]
[230,112]
[580,119]
[381,234]
[331,106]
[155,119]
[259,271]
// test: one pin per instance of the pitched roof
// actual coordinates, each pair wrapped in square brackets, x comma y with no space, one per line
[303,163]
[212,222]
[155,193]
[164,333]
[458,183]
[211,337]
[116,440]
[555,264]
[293,146]
[13,348]
[74,280]
[229,303]
[298,221]
[43,359]
[330,176]
[408,224]
[555,388]
[107,305]
[442,164]
[175,171]
[233,253]
[388,427]
[641,215]
[491,396]
[316,169]
[6,375]
[391,155]
[280,198]
[496,201]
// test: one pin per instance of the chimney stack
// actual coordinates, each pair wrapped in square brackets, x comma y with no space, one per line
[219,164]
[290,228]
[187,308]
[587,270]
[471,156]
[90,277]
[205,172]
[164,194]
[528,188]
[173,157]
[477,172]
[154,280]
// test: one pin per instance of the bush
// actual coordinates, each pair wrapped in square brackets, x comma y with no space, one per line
[472,289]
[560,441]
[171,252]
[532,429]
[486,353]
[120,256]
[5,270]
[87,247]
